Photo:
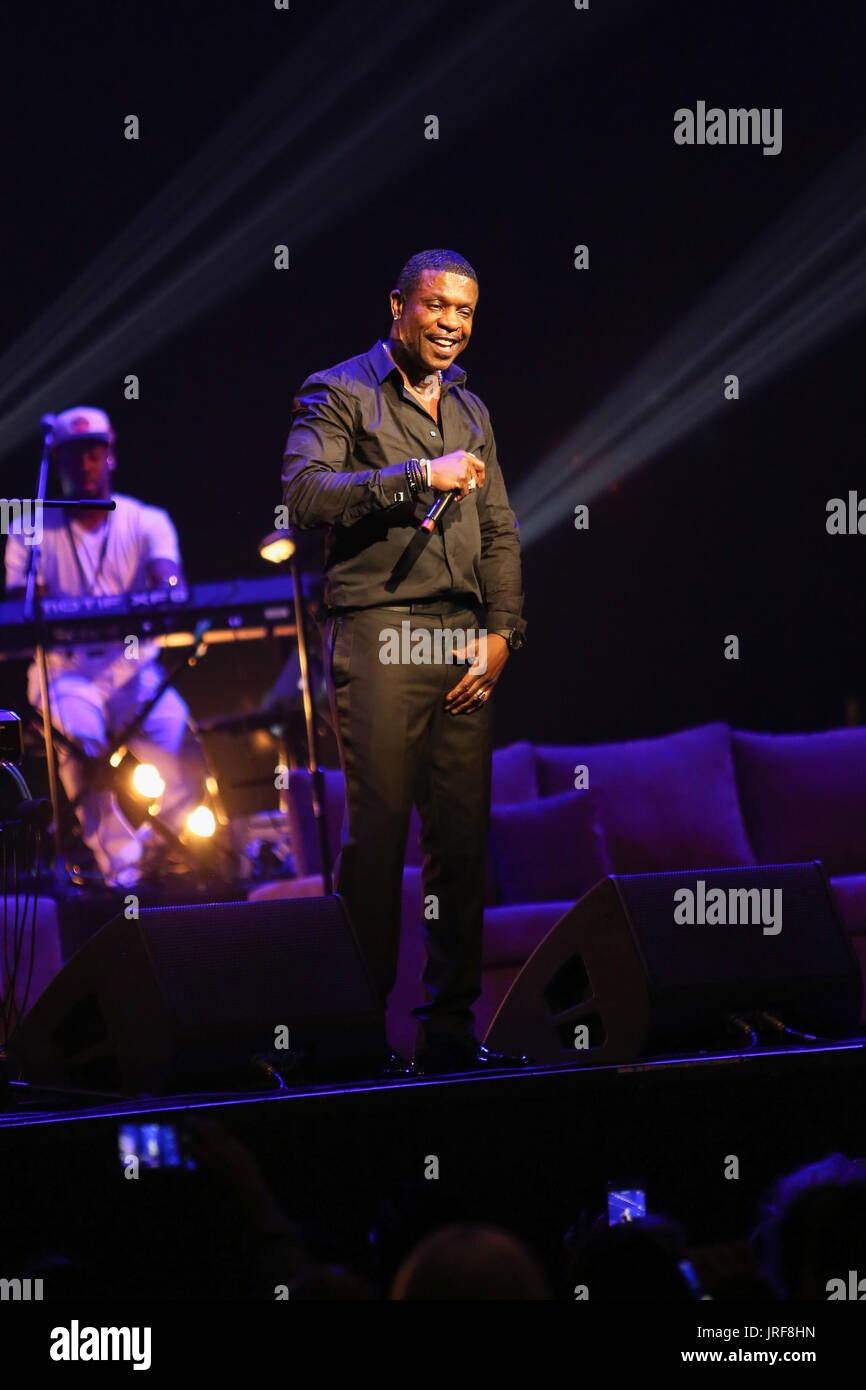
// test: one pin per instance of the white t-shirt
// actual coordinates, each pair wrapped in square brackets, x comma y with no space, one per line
[111,559]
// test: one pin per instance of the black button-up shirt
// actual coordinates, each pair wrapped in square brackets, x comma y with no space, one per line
[353,428]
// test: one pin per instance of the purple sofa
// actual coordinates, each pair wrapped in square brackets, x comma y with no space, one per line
[564,816]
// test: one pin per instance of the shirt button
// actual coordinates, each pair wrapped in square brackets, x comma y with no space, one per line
[433,432]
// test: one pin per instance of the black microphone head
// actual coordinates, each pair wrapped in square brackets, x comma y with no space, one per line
[47,423]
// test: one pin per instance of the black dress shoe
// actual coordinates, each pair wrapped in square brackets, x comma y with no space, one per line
[442,1058]
[395,1069]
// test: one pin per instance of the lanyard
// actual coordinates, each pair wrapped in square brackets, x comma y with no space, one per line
[89,584]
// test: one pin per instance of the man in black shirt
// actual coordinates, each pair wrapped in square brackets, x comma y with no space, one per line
[374,443]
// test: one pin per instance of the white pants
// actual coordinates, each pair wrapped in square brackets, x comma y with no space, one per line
[91,708]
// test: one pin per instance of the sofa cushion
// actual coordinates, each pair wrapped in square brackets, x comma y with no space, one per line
[302,822]
[514,777]
[850,894]
[546,849]
[663,803]
[804,796]
[859,944]
[308,887]
[512,933]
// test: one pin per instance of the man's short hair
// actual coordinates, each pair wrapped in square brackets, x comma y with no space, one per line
[410,276]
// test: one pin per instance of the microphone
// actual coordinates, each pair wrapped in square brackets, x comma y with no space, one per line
[46,424]
[436,511]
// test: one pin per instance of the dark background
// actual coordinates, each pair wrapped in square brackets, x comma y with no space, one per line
[540,148]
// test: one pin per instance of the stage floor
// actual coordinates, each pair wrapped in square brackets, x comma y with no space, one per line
[46,1106]
[703,1135]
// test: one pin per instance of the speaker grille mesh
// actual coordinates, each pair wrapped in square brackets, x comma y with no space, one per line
[286,960]
[811,941]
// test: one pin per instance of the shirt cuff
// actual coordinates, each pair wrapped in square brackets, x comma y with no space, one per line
[393,485]
[498,619]
[387,488]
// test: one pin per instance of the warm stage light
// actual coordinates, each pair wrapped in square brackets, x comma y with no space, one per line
[277,547]
[147,782]
[201,822]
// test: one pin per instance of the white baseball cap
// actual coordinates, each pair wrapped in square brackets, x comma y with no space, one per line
[81,422]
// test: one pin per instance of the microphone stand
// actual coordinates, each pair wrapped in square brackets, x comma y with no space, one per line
[317,776]
[33,614]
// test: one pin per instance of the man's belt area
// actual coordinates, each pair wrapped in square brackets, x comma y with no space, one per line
[434,608]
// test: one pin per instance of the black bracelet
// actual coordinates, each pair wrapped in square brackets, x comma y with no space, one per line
[414,476]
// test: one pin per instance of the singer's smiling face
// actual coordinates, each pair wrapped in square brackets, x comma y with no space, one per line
[435,322]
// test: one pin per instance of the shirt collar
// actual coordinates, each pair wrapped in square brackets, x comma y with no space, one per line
[383,366]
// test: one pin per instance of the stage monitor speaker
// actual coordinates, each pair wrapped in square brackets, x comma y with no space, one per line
[655,963]
[181,998]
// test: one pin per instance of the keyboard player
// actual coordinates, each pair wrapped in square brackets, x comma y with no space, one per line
[96,691]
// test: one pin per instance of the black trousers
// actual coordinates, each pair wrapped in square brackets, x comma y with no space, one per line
[399,746]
